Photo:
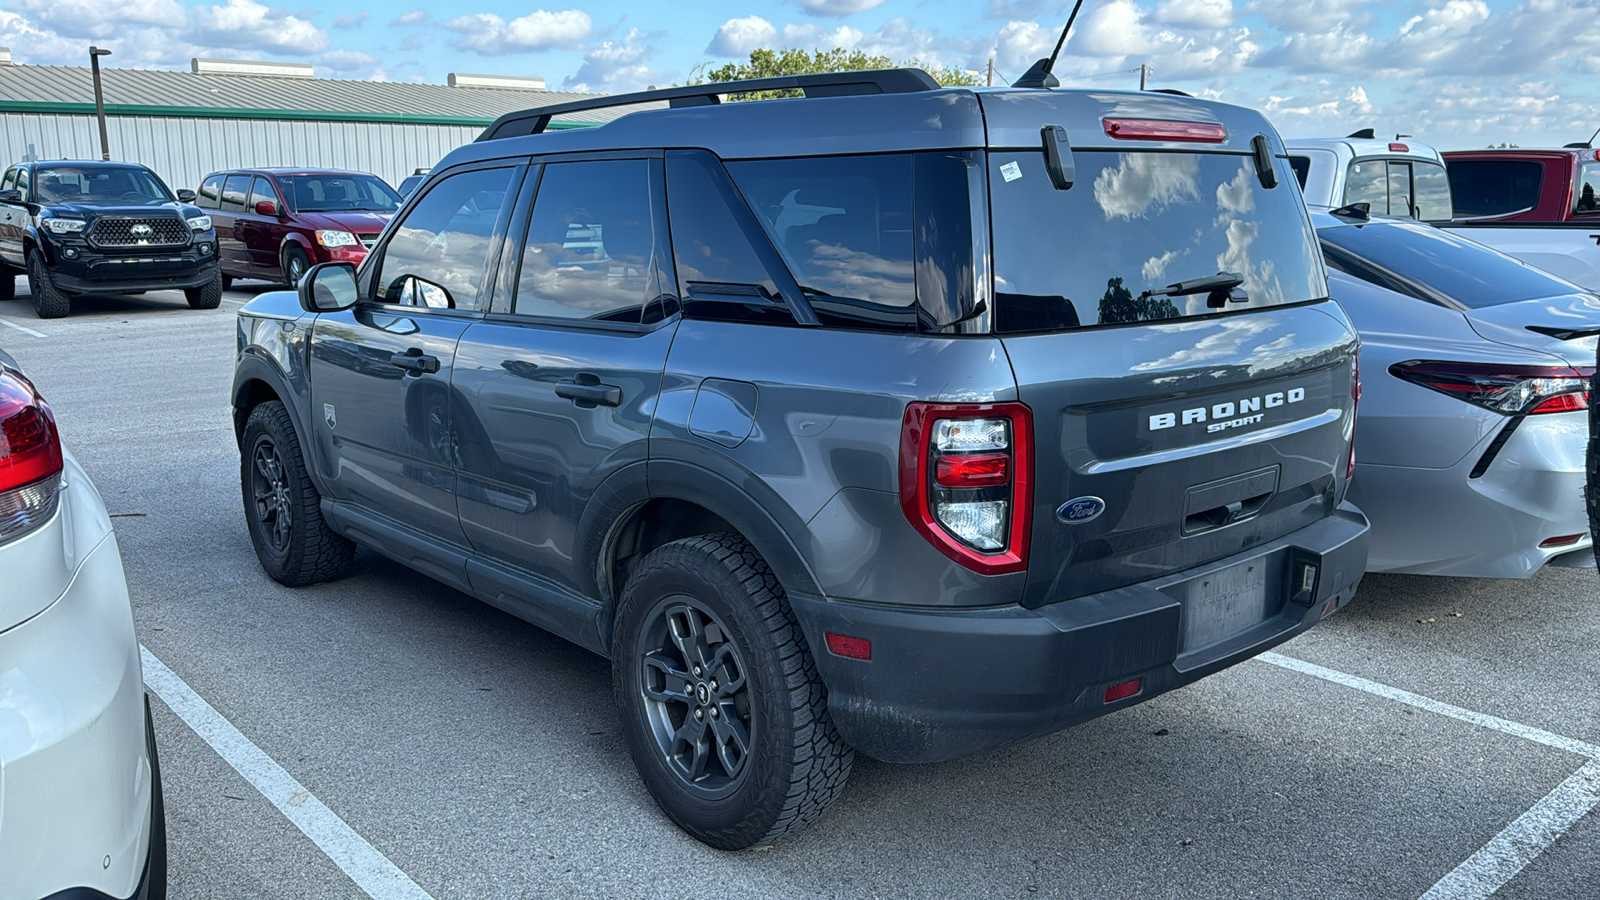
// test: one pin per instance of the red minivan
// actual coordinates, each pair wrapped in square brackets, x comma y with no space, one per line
[274,224]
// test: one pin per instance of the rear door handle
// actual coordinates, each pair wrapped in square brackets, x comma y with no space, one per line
[415,362]
[586,390]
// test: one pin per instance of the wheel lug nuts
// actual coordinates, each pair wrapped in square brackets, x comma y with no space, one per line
[712,685]
[697,671]
[699,714]
[715,713]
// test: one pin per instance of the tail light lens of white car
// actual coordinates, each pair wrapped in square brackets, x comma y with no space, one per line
[30,458]
[1511,390]
[966,473]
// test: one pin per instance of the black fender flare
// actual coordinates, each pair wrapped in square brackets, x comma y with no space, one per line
[251,368]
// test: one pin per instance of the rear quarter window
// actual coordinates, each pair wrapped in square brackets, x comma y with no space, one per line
[1584,200]
[1494,187]
[1100,252]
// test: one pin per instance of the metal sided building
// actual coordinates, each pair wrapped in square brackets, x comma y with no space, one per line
[236,113]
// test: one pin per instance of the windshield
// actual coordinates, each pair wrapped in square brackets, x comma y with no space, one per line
[123,186]
[1103,251]
[338,193]
[1433,265]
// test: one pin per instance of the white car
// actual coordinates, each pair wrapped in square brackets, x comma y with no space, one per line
[80,787]
[1395,178]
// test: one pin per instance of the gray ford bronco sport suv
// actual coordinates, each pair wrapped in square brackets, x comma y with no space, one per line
[889,418]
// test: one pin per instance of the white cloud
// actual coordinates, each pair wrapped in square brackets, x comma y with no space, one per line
[489,35]
[1113,29]
[1018,45]
[248,25]
[95,18]
[615,66]
[1195,13]
[737,37]
[412,17]
[353,20]
[815,37]
[347,61]
[837,8]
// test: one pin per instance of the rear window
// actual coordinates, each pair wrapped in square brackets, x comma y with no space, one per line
[1494,187]
[1433,265]
[1302,169]
[1134,223]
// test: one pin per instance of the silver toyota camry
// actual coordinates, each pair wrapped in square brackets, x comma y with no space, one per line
[1471,438]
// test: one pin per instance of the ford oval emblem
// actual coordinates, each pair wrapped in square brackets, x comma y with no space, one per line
[1080,510]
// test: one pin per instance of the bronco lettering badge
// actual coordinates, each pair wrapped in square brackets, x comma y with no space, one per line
[1220,417]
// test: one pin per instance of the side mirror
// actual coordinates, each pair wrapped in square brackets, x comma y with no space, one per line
[328,287]
[266,208]
[11,196]
[185,195]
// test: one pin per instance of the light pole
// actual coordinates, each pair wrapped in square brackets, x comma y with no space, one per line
[99,99]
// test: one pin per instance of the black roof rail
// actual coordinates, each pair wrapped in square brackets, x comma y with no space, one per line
[825,84]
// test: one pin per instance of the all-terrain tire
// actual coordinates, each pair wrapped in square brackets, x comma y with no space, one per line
[797,763]
[206,296]
[48,301]
[295,265]
[282,507]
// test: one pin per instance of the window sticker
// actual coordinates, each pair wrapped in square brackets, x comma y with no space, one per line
[1011,171]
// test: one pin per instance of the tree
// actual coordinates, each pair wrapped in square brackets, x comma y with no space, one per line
[774,63]
[1118,305]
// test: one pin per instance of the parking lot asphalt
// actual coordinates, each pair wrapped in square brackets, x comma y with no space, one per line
[1440,740]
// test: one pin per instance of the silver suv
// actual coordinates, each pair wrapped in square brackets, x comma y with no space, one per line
[888,418]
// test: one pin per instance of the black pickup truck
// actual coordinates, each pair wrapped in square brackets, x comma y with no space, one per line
[102,228]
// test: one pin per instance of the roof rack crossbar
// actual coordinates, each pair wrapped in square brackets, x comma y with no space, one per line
[825,84]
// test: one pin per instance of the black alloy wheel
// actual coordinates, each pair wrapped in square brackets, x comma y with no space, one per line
[269,485]
[696,696]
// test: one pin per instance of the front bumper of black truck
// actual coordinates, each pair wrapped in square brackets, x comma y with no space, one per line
[945,683]
[90,271]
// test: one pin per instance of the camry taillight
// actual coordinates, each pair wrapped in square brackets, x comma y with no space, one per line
[966,481]
[30,458]
[1511,390]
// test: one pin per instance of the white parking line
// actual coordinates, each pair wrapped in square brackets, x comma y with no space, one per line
[1499,861]
[366,866]
[1526,732]
[1518,844]
[22,328]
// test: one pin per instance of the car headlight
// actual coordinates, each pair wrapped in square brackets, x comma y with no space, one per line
[200,223]
[336,238]
[64,226]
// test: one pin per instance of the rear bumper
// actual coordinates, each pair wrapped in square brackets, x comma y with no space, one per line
[947,683]
[1445,522]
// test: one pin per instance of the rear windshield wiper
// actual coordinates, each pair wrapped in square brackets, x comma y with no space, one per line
[1219,289]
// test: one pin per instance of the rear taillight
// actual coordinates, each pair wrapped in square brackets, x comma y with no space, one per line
[1355,407]
[30,458]
[966,481]
[1511,390]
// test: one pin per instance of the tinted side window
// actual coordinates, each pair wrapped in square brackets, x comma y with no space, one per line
[437,254]
[1584,201]
[262,192]
[1368,182]
[1494,187]
[234,191]
[1431,192]
[720,270]
[210,194]
[1302,169]
[843,225]
[592,243]
[1434,265]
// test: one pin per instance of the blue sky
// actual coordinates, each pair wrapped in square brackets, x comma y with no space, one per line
[1454,73]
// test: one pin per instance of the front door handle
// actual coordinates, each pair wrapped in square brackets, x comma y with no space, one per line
[415,362]
[587,392]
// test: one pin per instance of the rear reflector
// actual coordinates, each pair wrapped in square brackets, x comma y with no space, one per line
[1126,689]
[1157,130]
[973,470]
[1399,148]
[1562,541]
[848,647]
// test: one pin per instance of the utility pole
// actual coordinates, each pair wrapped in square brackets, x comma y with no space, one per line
[1144,69]
[99,99]
[991,71]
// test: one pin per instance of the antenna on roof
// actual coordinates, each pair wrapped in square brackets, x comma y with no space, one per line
[1589,142]
[1038,75]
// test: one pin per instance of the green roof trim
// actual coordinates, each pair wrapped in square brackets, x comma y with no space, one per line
[44,107]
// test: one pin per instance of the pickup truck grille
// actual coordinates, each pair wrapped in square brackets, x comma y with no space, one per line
[151,231]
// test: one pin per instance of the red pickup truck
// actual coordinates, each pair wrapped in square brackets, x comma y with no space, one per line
[1537,205]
